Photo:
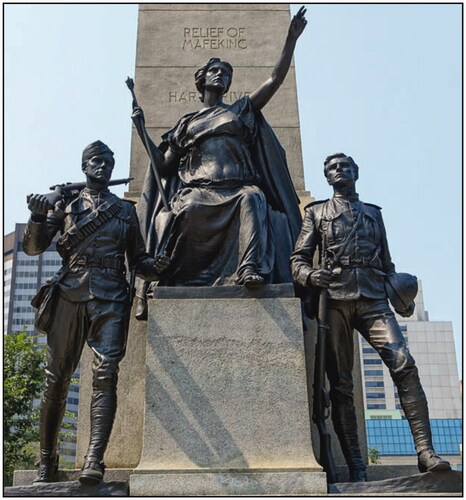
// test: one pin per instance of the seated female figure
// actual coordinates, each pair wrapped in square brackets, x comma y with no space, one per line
[227,199]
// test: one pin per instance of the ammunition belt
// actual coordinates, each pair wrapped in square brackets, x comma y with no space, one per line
[87,226]
[348,261]
[108,262]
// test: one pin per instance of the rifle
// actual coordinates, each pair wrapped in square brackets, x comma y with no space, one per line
[146,141]
[73,188]
[321,406]
[132,293]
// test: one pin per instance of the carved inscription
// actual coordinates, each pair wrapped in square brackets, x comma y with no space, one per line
[176,96]
[214,38]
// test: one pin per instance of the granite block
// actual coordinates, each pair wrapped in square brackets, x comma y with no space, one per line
[290,483]
[226,386]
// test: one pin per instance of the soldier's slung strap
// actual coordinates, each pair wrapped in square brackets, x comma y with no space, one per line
[345,242]
[87,226]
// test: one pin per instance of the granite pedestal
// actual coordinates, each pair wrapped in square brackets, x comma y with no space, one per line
[226,406]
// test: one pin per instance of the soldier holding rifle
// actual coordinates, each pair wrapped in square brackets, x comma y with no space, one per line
[356,274]
[88,300]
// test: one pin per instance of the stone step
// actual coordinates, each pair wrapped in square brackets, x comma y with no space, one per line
[27,477]
[69,489]
[432,483]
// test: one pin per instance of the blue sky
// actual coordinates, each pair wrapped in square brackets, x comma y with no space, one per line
[380,82]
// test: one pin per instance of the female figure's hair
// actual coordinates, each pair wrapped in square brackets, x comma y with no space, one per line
[199,76]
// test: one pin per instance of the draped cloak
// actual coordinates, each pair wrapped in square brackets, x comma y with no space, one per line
[283,217]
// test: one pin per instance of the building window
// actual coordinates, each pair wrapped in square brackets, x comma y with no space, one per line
[376,407]
[372,361]
[369,350]
[374,384]
[375,395]
[381,417]
[393,437]
[373,373]
[26,274]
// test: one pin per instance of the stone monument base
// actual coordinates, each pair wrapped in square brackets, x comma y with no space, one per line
[228,483]
[226,406]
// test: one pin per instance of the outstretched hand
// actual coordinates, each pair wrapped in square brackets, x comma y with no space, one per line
[298,23]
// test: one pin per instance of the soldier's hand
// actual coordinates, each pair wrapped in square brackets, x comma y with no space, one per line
[138,114]
[320,277]
[38,205]
[161,263]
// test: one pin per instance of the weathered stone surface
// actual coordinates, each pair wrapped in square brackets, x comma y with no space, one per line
[27,477]
[429,482]
[186,7]
[124,449]
[226,386]
[69,489]
[236,36]
[287,483]
[223,292]
[174,92]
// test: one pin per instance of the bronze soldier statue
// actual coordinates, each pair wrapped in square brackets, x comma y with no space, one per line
[97,230]
[351,237]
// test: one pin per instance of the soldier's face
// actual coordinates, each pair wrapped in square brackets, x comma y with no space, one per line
[99,168]
[341,174]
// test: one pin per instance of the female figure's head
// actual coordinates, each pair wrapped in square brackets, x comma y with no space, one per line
[216,75]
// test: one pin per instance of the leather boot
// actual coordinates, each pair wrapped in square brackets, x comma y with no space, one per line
[345,425]
[103,408]
[357,476]
[51,416]
[417,414]
[48,467]
[429,461]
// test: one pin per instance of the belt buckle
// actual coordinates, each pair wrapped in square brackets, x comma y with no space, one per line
[93,261]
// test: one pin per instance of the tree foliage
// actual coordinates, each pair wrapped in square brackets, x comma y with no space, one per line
[23,370]
[374,456]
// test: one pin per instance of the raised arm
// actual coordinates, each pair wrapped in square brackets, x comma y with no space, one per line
[262,95]
[164,162]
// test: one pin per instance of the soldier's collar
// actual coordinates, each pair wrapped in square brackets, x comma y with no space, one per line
[350,197]
[86,192]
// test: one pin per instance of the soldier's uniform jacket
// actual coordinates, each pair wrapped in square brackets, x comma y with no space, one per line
[99,271]
[365,259]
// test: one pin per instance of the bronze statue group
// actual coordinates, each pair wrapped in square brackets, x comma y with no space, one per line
[218,208]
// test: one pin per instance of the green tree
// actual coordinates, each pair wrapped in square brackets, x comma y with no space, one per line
[23,370]
[374,456]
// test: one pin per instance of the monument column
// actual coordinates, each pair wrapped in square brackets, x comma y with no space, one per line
[176,39]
